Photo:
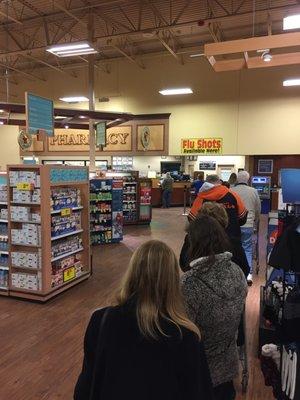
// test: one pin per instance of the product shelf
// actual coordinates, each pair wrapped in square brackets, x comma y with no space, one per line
[70,253]
[24,203]
[25,222]
[66,234]
[37,246]
[33,267]
[71,208]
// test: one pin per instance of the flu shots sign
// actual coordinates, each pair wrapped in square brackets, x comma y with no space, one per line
[202,146]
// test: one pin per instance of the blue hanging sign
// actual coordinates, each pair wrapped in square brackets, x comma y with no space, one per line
[101,134]
[39,115]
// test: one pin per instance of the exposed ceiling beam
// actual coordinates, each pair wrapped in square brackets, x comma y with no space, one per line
[37,60]
[121,51]
[69,13]
[170,50]
[4,78]
[10,18]
[19,71]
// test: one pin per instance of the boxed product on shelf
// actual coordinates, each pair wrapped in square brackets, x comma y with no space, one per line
[31,177]
[61,225]
[65,246]
[3,278]
[65,262]
[103,208]
[26,259]
[29,234]
[19,213]
[3,260]
[26,196]
[3,229]
[102,237]
[3,193]
[4,243]
[65,198]
[4,213]
[61,276]
[26,281]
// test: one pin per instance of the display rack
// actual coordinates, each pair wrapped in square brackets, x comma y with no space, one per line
[48,223]
[4,246]
[144,201]
[106,221]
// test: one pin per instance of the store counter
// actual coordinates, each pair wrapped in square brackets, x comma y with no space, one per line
[177,194]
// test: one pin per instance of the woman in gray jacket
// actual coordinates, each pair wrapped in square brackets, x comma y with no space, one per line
[215,290]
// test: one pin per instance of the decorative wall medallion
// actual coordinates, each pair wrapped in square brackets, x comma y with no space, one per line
[145,138]
[24,140]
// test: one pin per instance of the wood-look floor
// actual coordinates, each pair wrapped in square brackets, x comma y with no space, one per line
[41,344]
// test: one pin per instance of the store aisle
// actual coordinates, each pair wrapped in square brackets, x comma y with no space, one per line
[41,344]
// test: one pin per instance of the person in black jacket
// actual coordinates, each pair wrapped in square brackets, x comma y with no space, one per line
[218,212]
[145,348]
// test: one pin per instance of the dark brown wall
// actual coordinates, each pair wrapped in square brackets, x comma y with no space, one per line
[279,162]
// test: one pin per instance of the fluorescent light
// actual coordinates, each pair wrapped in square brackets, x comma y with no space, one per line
[197,55]
[172,92]
[70,53]
[1,123]
[1,111]
[72,49]
[66,126]
[74,99]
[291,22]
[291,82]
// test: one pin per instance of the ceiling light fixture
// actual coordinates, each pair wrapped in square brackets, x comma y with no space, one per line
[74,99]
[1,111]
[82,116]
[291,82]
[291,22]
[172,92]
[267,56]
[72,49]
[66,126]
[1,123]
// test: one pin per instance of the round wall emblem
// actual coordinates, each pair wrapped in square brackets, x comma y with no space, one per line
[145,138]
[24,140]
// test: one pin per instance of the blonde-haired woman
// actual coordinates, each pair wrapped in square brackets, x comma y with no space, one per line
[145,347]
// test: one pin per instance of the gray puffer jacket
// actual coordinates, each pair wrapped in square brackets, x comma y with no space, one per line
[215,298]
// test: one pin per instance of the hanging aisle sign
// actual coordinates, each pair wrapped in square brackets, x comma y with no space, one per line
[39,115]
[101,134]
[203,146]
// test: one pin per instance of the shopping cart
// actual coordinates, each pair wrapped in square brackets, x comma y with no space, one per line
[255,244]
[243,354]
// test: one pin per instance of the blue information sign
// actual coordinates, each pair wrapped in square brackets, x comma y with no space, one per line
[39,113]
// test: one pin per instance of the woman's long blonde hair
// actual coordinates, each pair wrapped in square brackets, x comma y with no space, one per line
[152,280]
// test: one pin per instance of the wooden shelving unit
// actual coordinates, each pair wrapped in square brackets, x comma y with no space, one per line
[4,244]
[55,254]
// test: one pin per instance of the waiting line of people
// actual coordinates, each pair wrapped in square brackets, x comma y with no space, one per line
[172,337]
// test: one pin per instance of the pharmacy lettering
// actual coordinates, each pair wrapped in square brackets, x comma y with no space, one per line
[64,140]
[203,146]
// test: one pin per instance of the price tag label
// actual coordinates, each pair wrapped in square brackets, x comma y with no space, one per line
[69,274]
[24,186]
[66,212]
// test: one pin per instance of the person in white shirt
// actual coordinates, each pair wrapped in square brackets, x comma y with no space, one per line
[250,197]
